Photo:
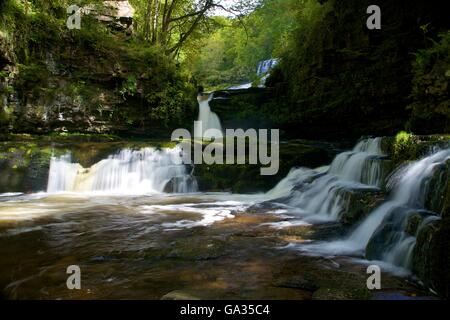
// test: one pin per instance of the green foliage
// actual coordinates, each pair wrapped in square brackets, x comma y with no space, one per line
[230,55]
[430,109]
[105,75]
[404,147]
[338,78]
[31,75]
[129,87]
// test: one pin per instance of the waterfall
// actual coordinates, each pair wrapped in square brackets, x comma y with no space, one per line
[362,164]
[262,70]
[294,178]
[265,66]
[206,118]
[410,185]
[383,234]
[128,172]
[321,194]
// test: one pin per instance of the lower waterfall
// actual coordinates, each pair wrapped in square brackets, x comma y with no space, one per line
[409,188]
[383,234]
[147,170]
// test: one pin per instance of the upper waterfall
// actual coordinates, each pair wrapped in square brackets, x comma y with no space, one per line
[265,66]
[130,171]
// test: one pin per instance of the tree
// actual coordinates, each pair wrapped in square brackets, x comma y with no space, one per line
[170,23]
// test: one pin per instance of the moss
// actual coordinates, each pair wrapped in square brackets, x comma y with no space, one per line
[69,72]
[404,147]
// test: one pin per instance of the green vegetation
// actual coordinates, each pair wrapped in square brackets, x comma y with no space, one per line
[404,146]
[340,79]
[230,55]
[91,80]
[336,79]
[431,88]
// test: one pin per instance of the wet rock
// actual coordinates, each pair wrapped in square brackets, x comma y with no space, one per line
[359,203]
[387,234]
[180,184]
[180,295]
[394,228]
[431,256]
[438,190]
[413,224]
[400,296]
[296,282]
[264,207]
[36,176]
[340,294]
[197,248]
[328,231]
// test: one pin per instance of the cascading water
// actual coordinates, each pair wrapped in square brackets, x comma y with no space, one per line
[208,119]
[129,172]
[262,71]
[383,235]
[363,164]
[410,185]
[321,194]
[265,66]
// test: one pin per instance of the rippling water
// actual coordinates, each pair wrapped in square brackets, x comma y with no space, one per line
[149,244]
[116,240]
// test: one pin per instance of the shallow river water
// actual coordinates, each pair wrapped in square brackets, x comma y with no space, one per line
[196,246]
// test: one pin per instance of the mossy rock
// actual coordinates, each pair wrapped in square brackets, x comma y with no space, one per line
[36,176]
[359,203]
[248,179]
[431,256]
[438,188]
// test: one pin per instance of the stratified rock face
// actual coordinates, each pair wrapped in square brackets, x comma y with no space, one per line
[7,73]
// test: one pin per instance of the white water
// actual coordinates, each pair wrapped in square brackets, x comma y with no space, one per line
[362,164]
[409,191]
[207,118]
[262,70]
[320,194]
[129,172]
[409,187]
[265,66]
[247,85]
